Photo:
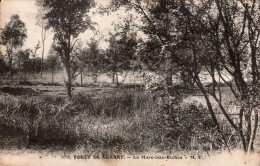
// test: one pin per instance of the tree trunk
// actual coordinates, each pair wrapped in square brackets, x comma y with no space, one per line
[42,58]
[52,77]
[24,72]
[248,126]
[43,44]
[33,66]
[212,68]
[211,111]
[95,78]
[11,67]
[168,67]
[253,133]
[113,77]
[240,127]
[116,79]
[69,81]
[68,68]
[81,78]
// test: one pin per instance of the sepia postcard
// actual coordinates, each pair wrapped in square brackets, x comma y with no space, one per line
[129,82]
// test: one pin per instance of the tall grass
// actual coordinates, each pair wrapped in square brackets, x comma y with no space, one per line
[125,121]
[114,121]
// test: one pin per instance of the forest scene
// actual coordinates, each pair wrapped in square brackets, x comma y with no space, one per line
[126,77]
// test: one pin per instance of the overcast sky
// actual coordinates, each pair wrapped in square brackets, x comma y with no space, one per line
[27,11]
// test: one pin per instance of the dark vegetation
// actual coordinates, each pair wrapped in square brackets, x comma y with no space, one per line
[18,91]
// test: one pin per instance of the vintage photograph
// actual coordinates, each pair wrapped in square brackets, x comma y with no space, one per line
[129,82]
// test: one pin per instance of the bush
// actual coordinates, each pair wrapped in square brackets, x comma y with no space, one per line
[190,126]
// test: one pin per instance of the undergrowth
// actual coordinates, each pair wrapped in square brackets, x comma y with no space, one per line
[126,121]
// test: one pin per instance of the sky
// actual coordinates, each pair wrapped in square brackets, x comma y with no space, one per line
[27,10]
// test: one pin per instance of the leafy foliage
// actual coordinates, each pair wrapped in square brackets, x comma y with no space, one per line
[219,37]
[68,16]
[121,51]
[67,19]
[91,59]
[53,63]
[13,36]
[3,66]
[24,61]
[14,33]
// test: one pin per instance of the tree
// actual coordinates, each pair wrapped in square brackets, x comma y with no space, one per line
[3,66]
[219,37]
[38,64]
[121,51]
[212,40]
[34,56]
[43,24]
[160,27]
[53,64]
[67,19]
[13,36]
[77,63]
[24,61]
[238,27]
[91,59]
[230,38]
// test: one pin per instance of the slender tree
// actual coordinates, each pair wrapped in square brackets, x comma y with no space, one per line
[53,64]
[25,61]
[43,24]
[67,19]
[91,59]
[34,56]
[121,51]
[13,36]
[238,28]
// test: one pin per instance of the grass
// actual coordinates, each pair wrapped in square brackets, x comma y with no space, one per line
[107,120]
[122,121]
